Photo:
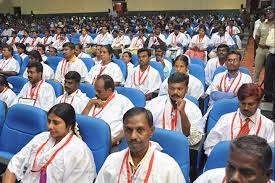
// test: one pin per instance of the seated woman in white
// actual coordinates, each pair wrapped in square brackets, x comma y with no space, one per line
[6,94]
[34,56]
[54,156]
[195,86]
[127,58]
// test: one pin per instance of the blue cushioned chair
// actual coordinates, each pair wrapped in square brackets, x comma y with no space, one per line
[24,66]
[3,111]
[17,83]
[193,99]
[198,72]
[18,59]
[96,134]
[197,61]
[58,88]
[223,68]
[88,62]
[220,108]
[22,123]
[135,59]
[122,65]
[158,66]
[134,95]
[53,62]
[180,151]
[88,89]
[218,156]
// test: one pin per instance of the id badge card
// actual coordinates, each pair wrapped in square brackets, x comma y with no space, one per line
[27,101]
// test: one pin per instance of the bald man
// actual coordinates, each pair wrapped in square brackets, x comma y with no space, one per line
[247,120]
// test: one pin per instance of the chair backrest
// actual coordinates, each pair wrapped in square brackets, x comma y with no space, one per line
[198,72]
[158,66]
[58,88]
[135,59]
[134,95]
[3,111]
[53,62]
[18,59]
[88,62]
[24,66]
[193,99]
[96,134]
[223,68]
[180,151]
[75,38]
[88,89]
[17,83]
[218,156]
[122,65]
[22,123]
[197,61]
[220,108]
[169,59]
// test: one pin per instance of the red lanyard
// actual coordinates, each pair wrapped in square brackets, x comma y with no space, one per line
[60,43]
[119,39]
[84,39]
[102,68]
[241,124]
[4,63]
[105,104]
[200,38]
[33,41]
[223,80]
[230,30]
[64,98]
[140,75]
[138,43]
[102,37]
[24,39]
[46,39]
[64,67]
[174,118]
[34,91]
[174,39]
[51,158]
[125,160]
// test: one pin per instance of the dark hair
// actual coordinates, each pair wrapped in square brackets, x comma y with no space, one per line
[66,112]
[108,82]
[3,81]
[137,111]
[129,54]
[256,146]
[183,58]
[79,45]
[144,50]
[249,90]
[73,75]
[202,27]
[223,46]
[41,46]
[37,65]
[176,27]
[36,55]
[163,48]
[109,48]
[53,49]
[178,77]
[9,47]
[69,44]
[235,53]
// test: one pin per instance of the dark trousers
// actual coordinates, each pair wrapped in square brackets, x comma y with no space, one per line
[269,80]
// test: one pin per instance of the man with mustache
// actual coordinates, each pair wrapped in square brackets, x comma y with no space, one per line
[175,112]
[142,161]
[247,120]
[109,106]
[72,94]
[249,161]
[37,92]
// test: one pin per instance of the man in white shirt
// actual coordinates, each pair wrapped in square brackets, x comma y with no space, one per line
[155,39]
[176,43]
[26,40]
[13,40]
[226,84]
[62,39]
[258,23]
[37,92]
[79,52]
[97,58]
[234,32]
[160,53]
[104,37]
[73,95]
[35,40]
[120,42]
[249,161]
[137,42]
[8,65]
[47,40]
[144,77]
[6,94]
[6,34]
[174,112]
[85,39]
[70,63]
[247,120]
[142,161]
[215,62]
[109,106]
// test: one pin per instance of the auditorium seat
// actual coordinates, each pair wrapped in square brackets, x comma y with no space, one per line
[17,83]
[134,95]
[158,66]
[88,89]
[122,65]
[53,62]
[58,88]
[88,62]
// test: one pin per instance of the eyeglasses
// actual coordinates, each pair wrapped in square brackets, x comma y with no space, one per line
[234,60]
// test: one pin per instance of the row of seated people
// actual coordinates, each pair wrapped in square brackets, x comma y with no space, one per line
[177,42]
[43,158]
